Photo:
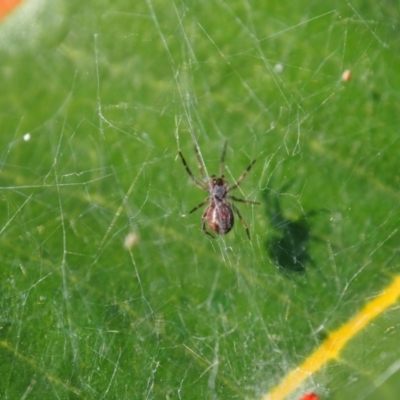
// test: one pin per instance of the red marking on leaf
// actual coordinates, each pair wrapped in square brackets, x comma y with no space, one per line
[310,396]
[6,6]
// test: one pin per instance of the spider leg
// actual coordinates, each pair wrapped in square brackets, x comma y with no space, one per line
[244,223]
[194,180]
[203,224]
[241,177]
[200,205]
[242,200]
[222,161]
[200,165]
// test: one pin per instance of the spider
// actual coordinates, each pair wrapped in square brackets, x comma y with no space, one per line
[219,212]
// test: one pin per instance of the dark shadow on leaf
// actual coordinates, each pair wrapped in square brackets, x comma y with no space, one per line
[290,250]
[289,246]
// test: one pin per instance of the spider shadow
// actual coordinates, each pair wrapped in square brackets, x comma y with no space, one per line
[289,245]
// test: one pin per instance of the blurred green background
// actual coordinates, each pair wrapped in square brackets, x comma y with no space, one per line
[109,289]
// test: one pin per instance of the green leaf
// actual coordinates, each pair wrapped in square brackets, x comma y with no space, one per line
[109,288]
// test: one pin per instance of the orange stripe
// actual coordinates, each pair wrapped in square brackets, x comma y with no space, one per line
[6,6]
[335,342]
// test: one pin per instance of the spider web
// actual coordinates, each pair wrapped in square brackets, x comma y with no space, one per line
[109,287]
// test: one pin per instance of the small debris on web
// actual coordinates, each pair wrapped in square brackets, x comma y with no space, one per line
[346,76]
[131,240]
[278,68]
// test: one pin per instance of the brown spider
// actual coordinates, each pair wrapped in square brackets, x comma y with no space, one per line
[219,213]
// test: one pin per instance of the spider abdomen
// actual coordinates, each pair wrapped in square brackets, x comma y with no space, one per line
[219,217]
